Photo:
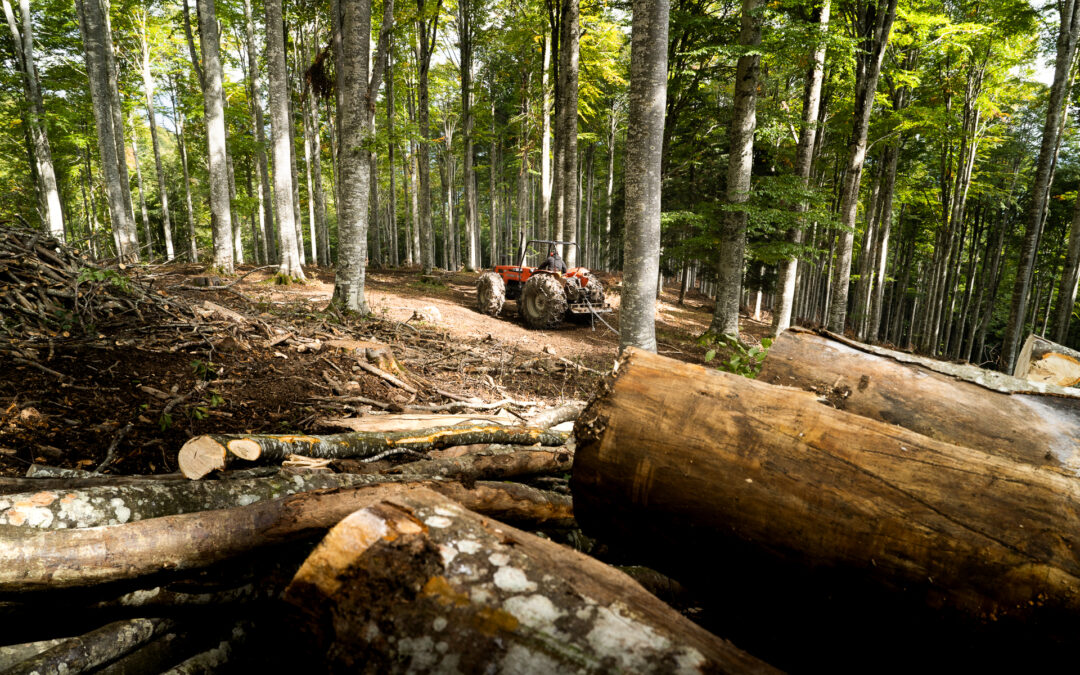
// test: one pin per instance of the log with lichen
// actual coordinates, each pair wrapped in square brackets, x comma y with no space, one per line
[204,454]
[418,584]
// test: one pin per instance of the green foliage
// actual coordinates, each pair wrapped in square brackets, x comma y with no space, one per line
[205,370]
[106,277]
[743,360]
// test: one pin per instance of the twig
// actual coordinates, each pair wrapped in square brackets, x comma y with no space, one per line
[378,372]
[579,366]
[110,454]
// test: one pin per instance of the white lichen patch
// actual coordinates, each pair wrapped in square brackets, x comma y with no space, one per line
[499,559]
[439,624]
[481,595]
[448,554]
[245,500]
[689,660]
[29,516]
[140,597]
[535,611]
[371,631]
[513,580]
[447,511]
[123,513]
[633,644]
[438,522]
[420,650]
[468,546]
[520,660]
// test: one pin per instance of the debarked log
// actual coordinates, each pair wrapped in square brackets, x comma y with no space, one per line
[419,584]
[68,558]
[770,471]
[204,454]
[954,403]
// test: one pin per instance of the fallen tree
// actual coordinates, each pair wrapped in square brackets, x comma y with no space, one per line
[1041,360]
[955,403]
[204,454]
[771,474]
[416,583]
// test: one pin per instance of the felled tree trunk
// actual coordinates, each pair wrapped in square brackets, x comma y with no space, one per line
[1041,360]
[86,652]
[67,558]
[204,454]
[418,584]
[961,404]
[771,473]
[494,462]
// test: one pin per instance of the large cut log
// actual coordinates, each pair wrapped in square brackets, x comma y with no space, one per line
[955,403]
[687,467]
[78,480]
[418,584]
[1041,360]
[204,454]
[68,558]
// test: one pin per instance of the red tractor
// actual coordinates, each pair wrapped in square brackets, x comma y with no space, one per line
[544,296]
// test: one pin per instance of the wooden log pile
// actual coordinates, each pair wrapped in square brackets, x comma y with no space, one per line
[889,505]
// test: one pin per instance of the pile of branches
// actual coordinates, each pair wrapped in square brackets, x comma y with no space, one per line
[49,292]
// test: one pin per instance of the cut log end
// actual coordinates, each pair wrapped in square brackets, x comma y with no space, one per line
[245,448]
[200,456]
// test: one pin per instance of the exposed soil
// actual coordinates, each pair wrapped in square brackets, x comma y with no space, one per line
[268,375]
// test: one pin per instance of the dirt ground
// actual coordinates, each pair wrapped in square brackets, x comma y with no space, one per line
[143,389]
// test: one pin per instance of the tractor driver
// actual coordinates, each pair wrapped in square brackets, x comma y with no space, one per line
[553,262]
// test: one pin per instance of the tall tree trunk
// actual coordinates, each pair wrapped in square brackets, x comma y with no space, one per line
[48,192]
[608,260]
[148,91]
[358,90]
[644,140]
[873,20]
[279,126]
[1066,296]
[93,27]
[254,93]
[545,141]
[391,207]
[465,42]
[310,134]
[193,248]
[1068,34]
[725,319]
[567,119]
[217,160]
[117,108]
[427,25]
[787,272]
[142,192]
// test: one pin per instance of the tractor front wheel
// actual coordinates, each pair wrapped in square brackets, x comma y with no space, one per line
[490,293]
[543,301]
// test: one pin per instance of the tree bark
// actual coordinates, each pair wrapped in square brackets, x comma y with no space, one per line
[93,27]
[96,648]
[725,320]
[426,27]
[768,472]
[48,193]
[148,92]
[584,617]
[142,191]
[873,20]
[266,198]
[566,156]
[644,141]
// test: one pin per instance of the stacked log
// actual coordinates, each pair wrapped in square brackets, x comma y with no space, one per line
[753,491]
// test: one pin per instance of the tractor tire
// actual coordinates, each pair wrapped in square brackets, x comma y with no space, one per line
[594,291]
[490,294]
[543,301]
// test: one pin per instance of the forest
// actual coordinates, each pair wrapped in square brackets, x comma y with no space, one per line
[906,172]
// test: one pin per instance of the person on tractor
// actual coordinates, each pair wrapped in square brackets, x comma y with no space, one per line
[553,262]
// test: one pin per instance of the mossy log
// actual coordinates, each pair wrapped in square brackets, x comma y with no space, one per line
[204,454]
[772,472]
[954,403]
[419,584]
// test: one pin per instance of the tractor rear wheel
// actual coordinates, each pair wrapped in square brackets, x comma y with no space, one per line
[543,301]
[490,293]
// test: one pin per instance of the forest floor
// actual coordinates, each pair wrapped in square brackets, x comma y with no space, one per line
[272,361]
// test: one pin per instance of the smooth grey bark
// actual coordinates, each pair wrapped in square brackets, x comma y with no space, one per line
[872,22]
[427,25]
[644,145]
[1068,33]
[93,28]
[217,153]
[358,93]
[117,109]
[309,134]
[567,120]
[608,258]
[472,225]
[391,206]
[1070,271]
[148,92]
[48,192]
[545,142]
[280,122]
[266,200]
[725,319]
[237,223]
[787,272]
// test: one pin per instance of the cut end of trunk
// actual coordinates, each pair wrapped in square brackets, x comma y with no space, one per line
[200,456]
[245,448]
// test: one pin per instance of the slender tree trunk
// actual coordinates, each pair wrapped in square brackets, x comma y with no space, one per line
[725,319]
[93,28]
[142,192]
[609,250]
[465,43]
[427,26]
[254,92]
[545,140]
[567,119]
[1068,34]
[280,122]
[148,91]
[310,149]
[787,272]
[193,248]
[873,24]
[217,162]
[117,109]
[48,192]
[1066,296]
[391,208]
[644,141]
